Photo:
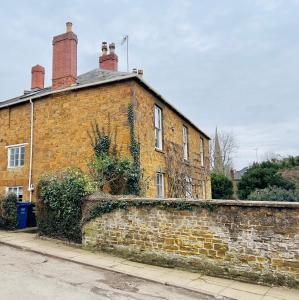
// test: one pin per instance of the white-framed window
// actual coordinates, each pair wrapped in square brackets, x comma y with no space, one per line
[160,184]
[203,189]
[185,142]
[188,188]
[202,153]
[16,156]
[18,190]
[158,128]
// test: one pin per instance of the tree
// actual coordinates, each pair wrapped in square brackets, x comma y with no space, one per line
[261,176]
[274,194]
[222,187]
[222,148]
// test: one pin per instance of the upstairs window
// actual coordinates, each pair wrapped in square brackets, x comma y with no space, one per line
[18,190]
[158,128]
[201,149]
[185,142]
[16,155]
[160,185]
[188,187]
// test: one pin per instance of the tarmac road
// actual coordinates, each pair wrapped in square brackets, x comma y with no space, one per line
[26,275]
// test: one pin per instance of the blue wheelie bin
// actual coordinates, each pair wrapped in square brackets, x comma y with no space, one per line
[22,209]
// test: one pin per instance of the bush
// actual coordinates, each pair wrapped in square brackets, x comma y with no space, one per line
[59,204]
[274,194]
[118,175]
[222,187]
[261,176]
[8,211]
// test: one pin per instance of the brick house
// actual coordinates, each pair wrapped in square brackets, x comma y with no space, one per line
[46,128]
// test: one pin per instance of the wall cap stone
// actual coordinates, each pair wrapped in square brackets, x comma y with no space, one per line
[199,202]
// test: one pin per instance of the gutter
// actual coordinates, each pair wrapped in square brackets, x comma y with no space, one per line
[30,185]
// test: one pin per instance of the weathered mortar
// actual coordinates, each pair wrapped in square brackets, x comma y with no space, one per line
[250,241]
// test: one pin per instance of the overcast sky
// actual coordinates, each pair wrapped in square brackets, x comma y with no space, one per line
[230,63]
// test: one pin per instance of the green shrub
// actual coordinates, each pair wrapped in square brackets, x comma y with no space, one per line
[59,204]
[261,176]
[222,187]
[113,171]
[274,194]
[8,211]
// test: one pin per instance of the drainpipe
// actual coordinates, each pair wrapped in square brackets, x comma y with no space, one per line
[30,186]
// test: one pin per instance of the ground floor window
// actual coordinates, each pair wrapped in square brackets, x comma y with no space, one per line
[203,189]
[160,184]
[18,190]
[188,187]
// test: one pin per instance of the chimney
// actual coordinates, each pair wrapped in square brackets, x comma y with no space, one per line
[108,61]
[37,77]
[64,72]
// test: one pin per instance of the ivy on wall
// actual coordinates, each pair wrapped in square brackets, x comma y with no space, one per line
[107,206]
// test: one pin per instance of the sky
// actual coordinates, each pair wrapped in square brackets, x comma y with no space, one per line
[231,63]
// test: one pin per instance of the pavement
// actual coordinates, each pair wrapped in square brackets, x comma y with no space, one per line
[216,288]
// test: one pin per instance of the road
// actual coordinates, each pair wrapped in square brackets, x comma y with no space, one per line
[27,275]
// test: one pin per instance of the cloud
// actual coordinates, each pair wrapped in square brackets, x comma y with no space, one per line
[228,63]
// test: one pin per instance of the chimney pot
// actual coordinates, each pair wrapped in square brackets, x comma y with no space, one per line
[134,71]
[69,27]
[37,77]
[112,48]
[104,48]
[140,73]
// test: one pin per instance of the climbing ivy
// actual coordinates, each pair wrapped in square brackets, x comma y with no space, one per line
[107,206]
[120,175]
[134,184]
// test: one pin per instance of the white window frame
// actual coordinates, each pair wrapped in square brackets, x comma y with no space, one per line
[185,143]
[203,189]
[202,151]
[158,127]
[18,190]
[160,184]
[20,160]
[189,187]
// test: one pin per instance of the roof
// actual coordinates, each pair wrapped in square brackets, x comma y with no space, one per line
[239,174]
[93,78]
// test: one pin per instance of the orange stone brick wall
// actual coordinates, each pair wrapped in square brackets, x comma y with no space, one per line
[152,160]
[246,240]
[61,123]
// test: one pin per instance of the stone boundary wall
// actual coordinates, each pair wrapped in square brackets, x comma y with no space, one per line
[246,240]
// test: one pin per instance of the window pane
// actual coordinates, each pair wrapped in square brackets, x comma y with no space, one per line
[158,128]
[17,156]
[11,152]
[160,185]
[201,151]
[185,142]
[20,193]
[22,156]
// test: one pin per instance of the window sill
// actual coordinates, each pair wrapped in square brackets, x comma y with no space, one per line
[15,168]
[159,150]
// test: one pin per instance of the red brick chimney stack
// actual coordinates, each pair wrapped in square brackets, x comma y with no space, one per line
[108,61]
[64,59]
[37,77]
